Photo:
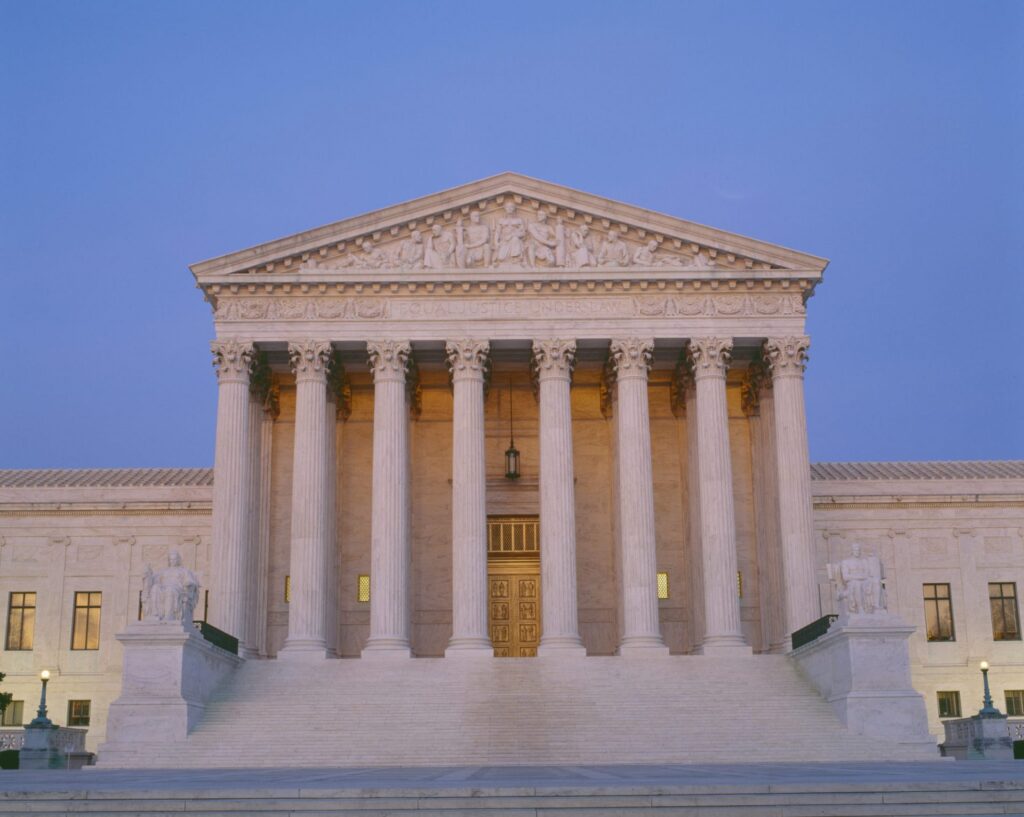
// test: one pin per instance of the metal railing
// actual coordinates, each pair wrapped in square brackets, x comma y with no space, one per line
[814,630]
[218,638]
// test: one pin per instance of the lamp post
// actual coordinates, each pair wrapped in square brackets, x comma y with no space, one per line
[511,453]
[40,718]
[988,710]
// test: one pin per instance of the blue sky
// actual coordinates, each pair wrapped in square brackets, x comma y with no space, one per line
[139,137]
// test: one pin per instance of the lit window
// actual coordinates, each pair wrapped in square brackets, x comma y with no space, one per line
[78,713]
[287,589]
[662,585]
[21,620]
[938,613]
[949,704]
[1015,702]
[14,715]
[1002,598]
[363,589]
[85,629]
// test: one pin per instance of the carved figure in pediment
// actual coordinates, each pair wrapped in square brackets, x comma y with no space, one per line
[370,258]
[701,261]
[473,243]
[613,252]
[546,243]
[581,248]
[171,593]
[509,238]
[410,253]
[645,254]
[440,250]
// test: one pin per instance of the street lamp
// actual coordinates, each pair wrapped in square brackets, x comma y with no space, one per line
[511,453]
[988,710]
[40,718]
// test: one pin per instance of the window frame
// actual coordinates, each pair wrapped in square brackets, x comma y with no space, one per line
[91,627]
[959,703]
[935,602]
[1003,600]
[1017,696]
[8,717]
[11,608]
[81,721]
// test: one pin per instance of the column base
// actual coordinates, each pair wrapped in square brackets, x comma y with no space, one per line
[724,645]
[561,646]
[469,648]
[642,645]
[295,650]
[386,648]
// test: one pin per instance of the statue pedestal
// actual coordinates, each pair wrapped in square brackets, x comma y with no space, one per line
[40,749]
[170,672]
[978,738]
[861,666]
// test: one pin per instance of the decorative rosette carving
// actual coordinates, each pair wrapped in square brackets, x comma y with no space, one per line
[233,359]
[631,357]
[787,357]
[389,359]
[468,358]
[310,359]
[555,357]
[709,357]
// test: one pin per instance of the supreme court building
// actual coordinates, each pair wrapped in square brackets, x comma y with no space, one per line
[533,465]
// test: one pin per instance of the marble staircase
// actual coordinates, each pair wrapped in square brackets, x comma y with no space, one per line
[461,712]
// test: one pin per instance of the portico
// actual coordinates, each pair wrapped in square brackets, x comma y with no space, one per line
[623,358]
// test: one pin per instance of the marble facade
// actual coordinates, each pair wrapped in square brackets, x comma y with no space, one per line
[368,372]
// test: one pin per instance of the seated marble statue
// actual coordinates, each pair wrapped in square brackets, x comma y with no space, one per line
[858,580]
[169,594]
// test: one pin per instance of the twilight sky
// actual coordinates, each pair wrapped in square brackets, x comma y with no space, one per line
[136,138]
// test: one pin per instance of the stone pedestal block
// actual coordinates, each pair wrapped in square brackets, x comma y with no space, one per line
[978,738]
[41,749]
[862,668]
[169,674]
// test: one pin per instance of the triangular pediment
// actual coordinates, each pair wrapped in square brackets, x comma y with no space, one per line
[510,221]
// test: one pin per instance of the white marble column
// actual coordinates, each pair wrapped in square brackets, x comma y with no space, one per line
[231,495]
[268,415]
[709,360]
[307,637]
[389,545]
[641,633]
[467,360]
[554,360]
[247,645]
[331,528]
[787,358]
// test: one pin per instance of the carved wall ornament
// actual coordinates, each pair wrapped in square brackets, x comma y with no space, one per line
[554,357]
[310,359]
[389,358]
[709,357]
[631,356]
[232,359]
[787,357]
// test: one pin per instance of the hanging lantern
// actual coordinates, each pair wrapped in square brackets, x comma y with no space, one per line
[511,453]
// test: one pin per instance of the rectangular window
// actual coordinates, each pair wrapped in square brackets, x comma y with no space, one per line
[662,585]
[1002,598]
[21,620]
[14,715]
[363,588]
[1015,702]
[78,713]
[949,704]
[85,629]
[938,613]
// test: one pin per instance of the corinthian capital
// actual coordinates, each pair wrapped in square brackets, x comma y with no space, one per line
[467,358]
[631,357]
[310,359]
[787,357]
[709,357]
[233,360]
[389,359]
[554,357]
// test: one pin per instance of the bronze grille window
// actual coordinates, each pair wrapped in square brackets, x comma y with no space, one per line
[949,704]
[85,630]
[78,713]
[1002,598]
[513,536]
[938,613]
[21,621]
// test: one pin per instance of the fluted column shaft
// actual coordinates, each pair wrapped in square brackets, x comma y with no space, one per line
[248,646]
[631,359]
[231,494]
[709,359]
[262,538]
[310,541]
[467,360]
[787,358]
[554,360]
[389,545]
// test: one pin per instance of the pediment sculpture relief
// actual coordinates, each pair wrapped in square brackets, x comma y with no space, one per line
[507,239]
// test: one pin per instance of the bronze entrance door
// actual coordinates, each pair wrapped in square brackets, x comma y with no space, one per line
[513,585]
